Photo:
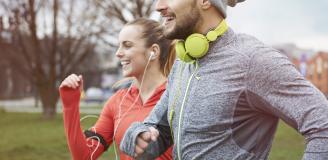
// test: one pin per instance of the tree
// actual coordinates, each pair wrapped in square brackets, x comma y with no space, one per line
[119,12]
[49,40]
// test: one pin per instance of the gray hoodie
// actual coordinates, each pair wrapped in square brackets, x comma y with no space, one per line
[228,103]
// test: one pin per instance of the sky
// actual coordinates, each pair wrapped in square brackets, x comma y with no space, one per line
[302,22]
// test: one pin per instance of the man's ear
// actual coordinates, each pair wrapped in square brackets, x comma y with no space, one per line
[204,4]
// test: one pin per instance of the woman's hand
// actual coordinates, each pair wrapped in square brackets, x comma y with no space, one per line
[72,81]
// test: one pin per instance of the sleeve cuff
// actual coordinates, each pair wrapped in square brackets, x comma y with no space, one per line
[128,142]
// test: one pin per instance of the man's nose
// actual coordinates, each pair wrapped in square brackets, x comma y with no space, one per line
[161,5]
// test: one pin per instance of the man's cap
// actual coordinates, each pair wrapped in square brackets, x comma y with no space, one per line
[221,5]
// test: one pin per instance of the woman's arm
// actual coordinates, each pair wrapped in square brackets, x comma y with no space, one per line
[82,147]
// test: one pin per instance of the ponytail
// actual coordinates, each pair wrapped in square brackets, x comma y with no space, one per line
[170,58]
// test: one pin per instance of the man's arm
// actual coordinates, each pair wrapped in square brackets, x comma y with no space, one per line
[274,79]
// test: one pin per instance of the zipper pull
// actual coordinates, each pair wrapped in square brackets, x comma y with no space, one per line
[197,77]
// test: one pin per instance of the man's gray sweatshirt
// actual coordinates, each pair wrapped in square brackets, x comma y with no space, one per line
[228,103]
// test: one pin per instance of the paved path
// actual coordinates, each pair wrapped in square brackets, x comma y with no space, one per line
[28,105]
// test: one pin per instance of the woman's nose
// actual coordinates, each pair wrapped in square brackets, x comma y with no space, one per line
[119,53]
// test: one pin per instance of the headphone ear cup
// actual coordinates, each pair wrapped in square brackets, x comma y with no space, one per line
[197,45]
[181,52]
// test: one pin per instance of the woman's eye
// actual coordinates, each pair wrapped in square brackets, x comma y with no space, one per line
[127,45]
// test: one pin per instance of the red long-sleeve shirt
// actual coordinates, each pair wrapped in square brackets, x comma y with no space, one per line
[109,118]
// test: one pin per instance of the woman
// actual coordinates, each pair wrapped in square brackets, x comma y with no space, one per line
[146,56]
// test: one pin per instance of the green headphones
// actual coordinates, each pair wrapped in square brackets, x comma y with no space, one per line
[196,45]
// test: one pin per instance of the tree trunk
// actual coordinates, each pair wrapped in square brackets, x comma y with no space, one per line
[48,112]
[49,97]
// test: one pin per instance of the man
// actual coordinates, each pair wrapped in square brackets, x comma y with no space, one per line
[226,105]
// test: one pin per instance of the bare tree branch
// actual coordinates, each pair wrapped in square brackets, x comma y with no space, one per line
[73,65]
[50,48]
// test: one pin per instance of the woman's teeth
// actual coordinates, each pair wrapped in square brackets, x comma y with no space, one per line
[125,62]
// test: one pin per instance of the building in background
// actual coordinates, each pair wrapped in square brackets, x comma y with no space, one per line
[317,71]
[312,65]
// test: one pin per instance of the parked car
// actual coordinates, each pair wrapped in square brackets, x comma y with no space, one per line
[93,94]
[97,95]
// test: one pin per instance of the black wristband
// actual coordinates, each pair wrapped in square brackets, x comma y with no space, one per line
[93,135]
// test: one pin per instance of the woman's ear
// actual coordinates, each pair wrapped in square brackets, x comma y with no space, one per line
[155,51]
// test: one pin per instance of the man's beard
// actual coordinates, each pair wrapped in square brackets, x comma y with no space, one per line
[185,26]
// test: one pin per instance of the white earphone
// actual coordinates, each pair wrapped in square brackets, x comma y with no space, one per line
[152,55]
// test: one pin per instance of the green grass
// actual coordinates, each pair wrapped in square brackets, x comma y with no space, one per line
[25,136]
[287,144]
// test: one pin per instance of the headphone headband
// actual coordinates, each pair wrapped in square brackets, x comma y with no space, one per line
[218,31]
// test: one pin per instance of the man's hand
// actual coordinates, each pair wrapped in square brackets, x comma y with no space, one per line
[144,139]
